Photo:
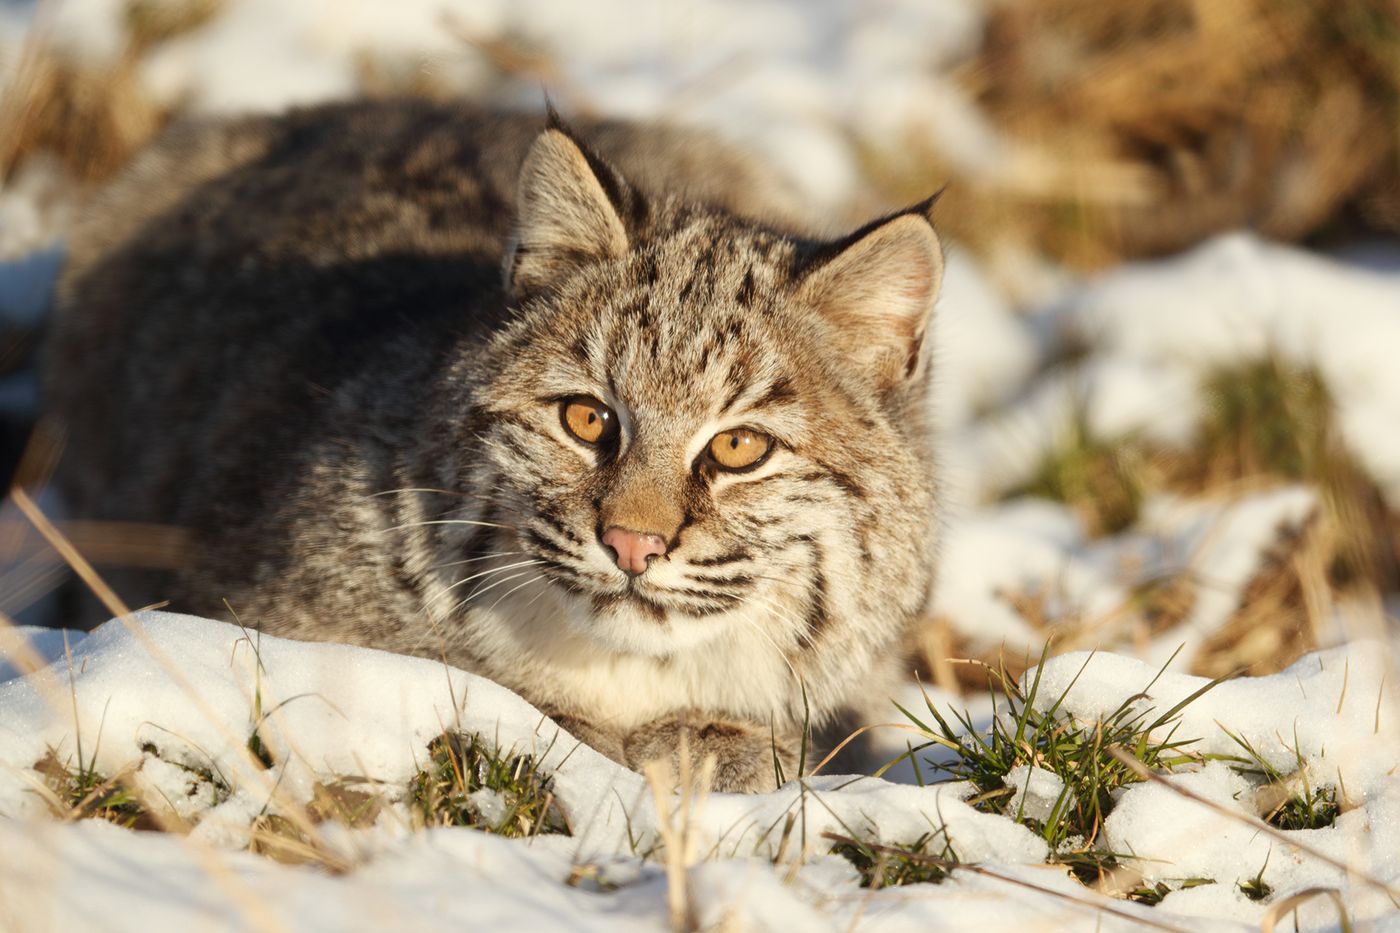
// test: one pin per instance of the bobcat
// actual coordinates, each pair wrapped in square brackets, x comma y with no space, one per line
[547,404]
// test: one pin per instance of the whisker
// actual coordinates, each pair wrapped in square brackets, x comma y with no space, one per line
[534,599]
[537,578]
[491,572]
[481,590]
[391,492]
[468,560]
[450,521]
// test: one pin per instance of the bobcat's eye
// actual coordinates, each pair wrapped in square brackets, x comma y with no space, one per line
[740,449]
[588,419]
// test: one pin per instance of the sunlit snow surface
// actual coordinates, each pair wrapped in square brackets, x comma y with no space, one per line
[807,86]
[163,689]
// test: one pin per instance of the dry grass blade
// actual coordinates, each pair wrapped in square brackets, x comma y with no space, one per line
[123,614]
[1277,910]
[673,824]
[951,866]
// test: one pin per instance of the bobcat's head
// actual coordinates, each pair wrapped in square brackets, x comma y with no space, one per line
[696,424]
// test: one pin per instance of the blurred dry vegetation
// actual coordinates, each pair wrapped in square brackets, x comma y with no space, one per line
[1144,126]
[1160,122]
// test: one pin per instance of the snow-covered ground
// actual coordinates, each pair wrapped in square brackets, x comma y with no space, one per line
[164,698]
[810,86]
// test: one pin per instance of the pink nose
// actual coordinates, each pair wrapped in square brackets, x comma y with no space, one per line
[633,549]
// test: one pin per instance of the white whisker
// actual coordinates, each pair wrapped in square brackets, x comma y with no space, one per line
[480,590]
[765,604]
[492,571]
[469,560]
[449,521]
[535,579]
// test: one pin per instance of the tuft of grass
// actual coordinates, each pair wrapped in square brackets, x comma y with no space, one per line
[469,782]
[345,801]
[90,119]
[1287,801]
[1268,418]
[1134,127]
[902,863]
[1255,888]
[83,793]
[1077,752]
[1104,481]
[1152,894]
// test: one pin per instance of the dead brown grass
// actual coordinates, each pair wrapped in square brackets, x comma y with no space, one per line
[90,118]
[1159,122]
[1280,614]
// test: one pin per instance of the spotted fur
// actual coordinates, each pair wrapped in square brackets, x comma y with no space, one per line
[337,358]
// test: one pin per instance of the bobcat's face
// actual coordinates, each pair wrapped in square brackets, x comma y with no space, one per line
[696,425]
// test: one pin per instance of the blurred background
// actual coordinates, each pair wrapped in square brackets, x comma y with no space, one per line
[1168,355]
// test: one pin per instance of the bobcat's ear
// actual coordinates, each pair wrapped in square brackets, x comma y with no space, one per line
[567,202]
[876,289]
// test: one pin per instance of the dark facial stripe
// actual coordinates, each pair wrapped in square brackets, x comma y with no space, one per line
[780,391]
[844,480]
[718,560]
[558,525]
[818,617]
[551,548]
[734,580]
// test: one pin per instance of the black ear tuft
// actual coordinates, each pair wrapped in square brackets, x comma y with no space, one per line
[552,119]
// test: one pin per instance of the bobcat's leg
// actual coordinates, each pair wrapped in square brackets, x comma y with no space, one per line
[743,751]
[604,741]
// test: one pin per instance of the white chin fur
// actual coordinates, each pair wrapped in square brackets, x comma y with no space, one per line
[625,628]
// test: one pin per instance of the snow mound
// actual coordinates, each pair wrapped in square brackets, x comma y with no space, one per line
[165,694]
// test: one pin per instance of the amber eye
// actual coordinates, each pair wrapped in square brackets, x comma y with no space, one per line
[739,449]
[588,419]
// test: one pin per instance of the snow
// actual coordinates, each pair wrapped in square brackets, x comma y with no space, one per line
[1039,793]
[1238,298]
[175,697]
[1025,547]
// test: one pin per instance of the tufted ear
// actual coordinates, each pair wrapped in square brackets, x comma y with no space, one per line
[877,289]
[567,202]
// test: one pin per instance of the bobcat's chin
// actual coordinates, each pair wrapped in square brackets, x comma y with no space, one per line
[631,623]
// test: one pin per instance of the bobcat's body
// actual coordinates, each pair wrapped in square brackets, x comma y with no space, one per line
[333,348]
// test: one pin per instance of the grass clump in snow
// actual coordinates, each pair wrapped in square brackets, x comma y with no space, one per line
[1268,418]
[1052,772]
[926,860]
[1287,801]
[1152,894]
[81,792]
[1102,480]
[469,782]
[1256,889]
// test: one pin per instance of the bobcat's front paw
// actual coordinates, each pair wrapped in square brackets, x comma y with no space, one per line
[743,752]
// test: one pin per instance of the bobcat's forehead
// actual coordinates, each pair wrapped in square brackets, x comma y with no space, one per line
[696,322]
